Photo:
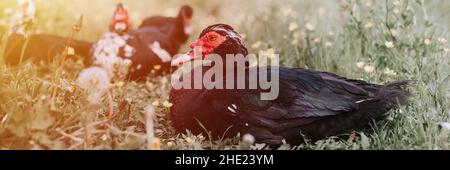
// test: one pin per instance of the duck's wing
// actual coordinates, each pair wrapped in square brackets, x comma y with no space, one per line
[304,97]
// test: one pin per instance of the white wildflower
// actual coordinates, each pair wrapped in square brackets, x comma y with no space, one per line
[389,44]
[96,81]
[243,36]
[287,12]
[331,33]
[257,44]
[167,104]
[442,40]
[155,103]
[390,72]
[104,137]
[189,140]
[170,144]
[297,35]
[360,65]
[369,69]
[368,25]
[394,32]
[316,40]
[310,27]
[427,41]
[396,11]
[248,138]
[293,26]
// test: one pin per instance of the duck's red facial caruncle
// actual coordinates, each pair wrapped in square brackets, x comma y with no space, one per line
[207,43]
[120,21]
[202,47]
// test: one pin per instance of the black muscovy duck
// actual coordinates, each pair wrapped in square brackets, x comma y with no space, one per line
[141,51]
[182,24]
[42,47]
[311,104]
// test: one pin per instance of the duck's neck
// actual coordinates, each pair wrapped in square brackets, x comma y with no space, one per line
[178,33]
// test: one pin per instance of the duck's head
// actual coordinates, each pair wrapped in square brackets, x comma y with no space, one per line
[186,14]
[219,39]
[120,21]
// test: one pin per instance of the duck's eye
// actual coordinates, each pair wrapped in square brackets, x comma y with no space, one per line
[212,38]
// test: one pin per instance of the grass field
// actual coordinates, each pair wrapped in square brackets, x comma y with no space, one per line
[373,40]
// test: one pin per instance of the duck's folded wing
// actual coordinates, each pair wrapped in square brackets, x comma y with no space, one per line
[304,97]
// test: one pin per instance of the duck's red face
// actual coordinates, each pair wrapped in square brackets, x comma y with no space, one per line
[202,47]
[220,39]
[120,21]
[207,44]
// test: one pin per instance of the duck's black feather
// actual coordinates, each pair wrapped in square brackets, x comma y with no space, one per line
[312,104]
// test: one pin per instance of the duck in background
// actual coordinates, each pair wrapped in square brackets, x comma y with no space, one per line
[42,46]
[311,105]
[126,53]
[182,25]
[163,36]
[113,50]
[135,53]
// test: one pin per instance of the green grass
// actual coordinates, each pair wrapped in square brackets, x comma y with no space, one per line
[342,36]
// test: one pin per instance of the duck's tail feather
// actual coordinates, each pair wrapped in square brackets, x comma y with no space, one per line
[388,97]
